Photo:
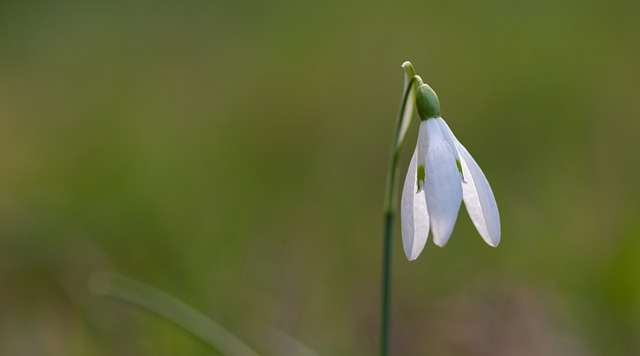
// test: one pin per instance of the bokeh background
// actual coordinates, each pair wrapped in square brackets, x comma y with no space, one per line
[233,154]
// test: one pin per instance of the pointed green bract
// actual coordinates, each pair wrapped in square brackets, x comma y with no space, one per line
[407,106]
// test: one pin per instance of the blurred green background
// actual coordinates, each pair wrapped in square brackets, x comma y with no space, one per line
[233,154]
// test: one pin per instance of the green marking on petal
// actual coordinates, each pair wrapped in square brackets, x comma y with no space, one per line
[460,170]
[421,174]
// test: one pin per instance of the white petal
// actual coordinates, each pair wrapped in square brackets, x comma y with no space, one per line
[414,217]
[448,136]
[479,199]
[443,190]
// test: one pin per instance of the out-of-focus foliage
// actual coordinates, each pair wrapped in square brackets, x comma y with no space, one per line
[233,155]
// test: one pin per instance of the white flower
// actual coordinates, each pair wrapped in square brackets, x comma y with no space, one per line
[441,175]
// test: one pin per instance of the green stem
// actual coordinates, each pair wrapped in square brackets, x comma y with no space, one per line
[389,212]
[386,283]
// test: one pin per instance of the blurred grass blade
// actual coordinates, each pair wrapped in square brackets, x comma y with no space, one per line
[171,308]
[285,344]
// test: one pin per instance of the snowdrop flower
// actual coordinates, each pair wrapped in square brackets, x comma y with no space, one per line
[441,175]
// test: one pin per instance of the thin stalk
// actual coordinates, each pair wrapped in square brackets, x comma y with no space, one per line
[389,212]
[386,283]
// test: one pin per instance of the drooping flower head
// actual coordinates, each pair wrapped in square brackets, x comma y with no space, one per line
[441,175]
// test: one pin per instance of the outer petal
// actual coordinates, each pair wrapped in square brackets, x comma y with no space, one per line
[413,213]
[448,136]
[443,190]
[479,199]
